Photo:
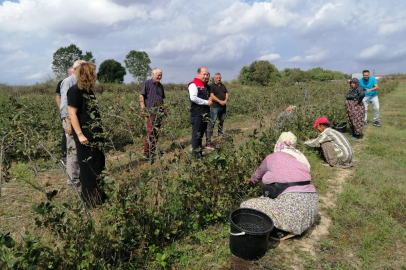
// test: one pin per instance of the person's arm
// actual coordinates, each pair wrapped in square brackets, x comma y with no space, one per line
[214,98]
[75,123]
[317,141]
[259,173]
[226,100]
[375,84]
[58,101]
[193,96]
[361,94]
[65,85]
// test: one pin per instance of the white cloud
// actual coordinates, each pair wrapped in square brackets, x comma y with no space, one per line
[316,57]
[60,15]
[180,35]
[373,51]
[241,17]
[270,57]
[392,28]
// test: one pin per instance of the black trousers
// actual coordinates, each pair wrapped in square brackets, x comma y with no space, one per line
[199,126]
[91,163]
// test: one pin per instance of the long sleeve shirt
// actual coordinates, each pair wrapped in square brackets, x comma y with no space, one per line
[341,145]
[65,85]
[283,168]
[193,95]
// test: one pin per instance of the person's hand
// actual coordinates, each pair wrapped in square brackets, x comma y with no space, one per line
[356,102]
[247,180]
[210,102]
[144,113]
[82,139]
[69,129]
[222,102]
[165,112]
[366,90]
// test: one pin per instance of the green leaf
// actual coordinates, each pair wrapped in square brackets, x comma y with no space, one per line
[12,263]
[38,210]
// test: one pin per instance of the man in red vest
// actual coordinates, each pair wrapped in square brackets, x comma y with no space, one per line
[200,109]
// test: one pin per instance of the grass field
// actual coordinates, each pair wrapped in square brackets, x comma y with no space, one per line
[173,213]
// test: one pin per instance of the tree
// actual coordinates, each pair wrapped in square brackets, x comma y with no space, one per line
[259,73]
[111,71]
[292,75]
[137,64]
[65,56]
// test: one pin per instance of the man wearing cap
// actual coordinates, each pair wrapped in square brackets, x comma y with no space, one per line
[336,148]
[200,103]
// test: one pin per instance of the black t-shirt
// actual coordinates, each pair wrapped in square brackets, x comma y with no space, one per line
[88,113]
[58,89]
[219,92]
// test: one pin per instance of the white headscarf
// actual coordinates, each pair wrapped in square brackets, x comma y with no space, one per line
[287,144]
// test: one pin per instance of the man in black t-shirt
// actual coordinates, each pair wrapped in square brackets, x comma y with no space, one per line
[219,95]
[58,104]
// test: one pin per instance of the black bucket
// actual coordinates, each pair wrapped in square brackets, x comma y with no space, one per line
[249,232]
[341,127]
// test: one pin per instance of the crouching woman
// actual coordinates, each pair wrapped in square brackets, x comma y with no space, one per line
[289,198]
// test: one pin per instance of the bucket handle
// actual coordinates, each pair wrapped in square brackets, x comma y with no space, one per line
[236,234]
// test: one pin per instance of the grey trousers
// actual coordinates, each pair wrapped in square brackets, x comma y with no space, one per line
[72,164]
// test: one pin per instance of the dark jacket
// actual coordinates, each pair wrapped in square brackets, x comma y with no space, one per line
[356,93]
[203,93]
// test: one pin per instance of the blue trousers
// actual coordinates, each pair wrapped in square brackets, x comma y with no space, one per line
[216,113]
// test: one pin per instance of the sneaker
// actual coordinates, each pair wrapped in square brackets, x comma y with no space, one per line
[377,124]
[211,147]
[324,163]
[365,123]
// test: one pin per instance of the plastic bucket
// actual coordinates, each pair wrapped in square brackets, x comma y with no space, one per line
[249,232]
[341,127]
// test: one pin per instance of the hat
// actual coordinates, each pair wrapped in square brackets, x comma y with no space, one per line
[288,139]
[321,120]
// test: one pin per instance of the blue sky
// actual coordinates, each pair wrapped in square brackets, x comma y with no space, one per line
[181,35]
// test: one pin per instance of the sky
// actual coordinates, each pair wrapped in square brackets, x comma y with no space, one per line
[181,35]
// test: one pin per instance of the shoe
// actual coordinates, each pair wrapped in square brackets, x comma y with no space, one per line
[211,147]
[325,164]
[365,123]
[377,124]
[354,137]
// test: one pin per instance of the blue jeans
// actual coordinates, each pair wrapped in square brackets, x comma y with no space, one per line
[375,103]
[216,113]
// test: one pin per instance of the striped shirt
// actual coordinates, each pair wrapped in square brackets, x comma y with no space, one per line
[341,145]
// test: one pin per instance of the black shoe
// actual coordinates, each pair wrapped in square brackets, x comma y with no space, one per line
[377,124]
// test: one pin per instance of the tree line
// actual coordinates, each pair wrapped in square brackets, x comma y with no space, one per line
[264,73]
[110,71]
[260,72]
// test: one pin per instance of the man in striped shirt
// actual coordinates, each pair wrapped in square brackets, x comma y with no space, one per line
[336,148]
